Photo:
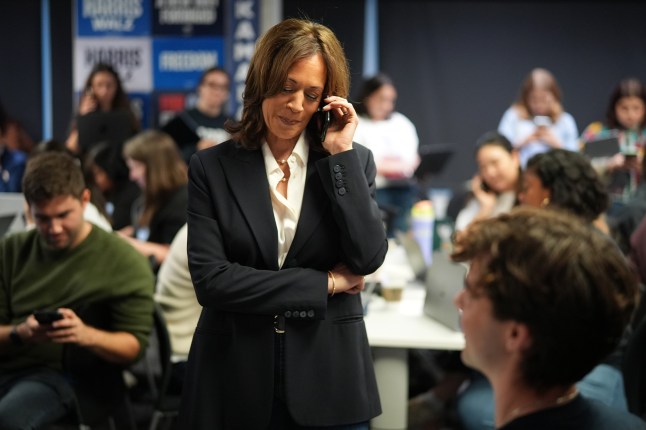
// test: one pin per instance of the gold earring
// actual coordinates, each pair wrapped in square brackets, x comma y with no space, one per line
[545,202]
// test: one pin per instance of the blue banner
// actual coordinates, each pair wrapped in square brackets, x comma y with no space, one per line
[242,30]
[113,17]
[179,62]
[188,18]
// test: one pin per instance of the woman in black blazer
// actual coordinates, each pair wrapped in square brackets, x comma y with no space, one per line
[283,225]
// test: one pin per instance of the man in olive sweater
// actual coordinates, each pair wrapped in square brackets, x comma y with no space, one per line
[64,265]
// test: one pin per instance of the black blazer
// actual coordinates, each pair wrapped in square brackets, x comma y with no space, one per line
[232,248]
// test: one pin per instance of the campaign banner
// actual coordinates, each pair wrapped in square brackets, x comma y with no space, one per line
[187,18]
[242,32]
[167,105]
[179,62]
[130,56]
[113,17]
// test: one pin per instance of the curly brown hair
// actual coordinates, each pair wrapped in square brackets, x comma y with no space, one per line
[573,183]
[567,282]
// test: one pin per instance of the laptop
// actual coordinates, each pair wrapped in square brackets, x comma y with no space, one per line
[433,160]
[444,280]
[12,207]
[606,147]
[96,127]
[413,253]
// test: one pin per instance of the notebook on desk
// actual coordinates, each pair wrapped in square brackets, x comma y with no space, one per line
[444,280]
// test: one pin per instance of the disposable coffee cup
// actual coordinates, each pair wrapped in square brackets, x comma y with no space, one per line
[392,290]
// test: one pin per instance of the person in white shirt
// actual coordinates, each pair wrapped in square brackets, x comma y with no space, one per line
[393,140]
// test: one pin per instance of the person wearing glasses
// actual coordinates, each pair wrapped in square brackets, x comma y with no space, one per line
[203,125]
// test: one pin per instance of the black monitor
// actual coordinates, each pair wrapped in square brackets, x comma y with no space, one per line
[96,127]
[433,159]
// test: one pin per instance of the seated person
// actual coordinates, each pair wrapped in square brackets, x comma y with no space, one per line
[106,169]
[103,92]
[65,264]
[156,167]
[626,121]
[566,181]
[545,300]
[203,125]
[12,167]
[93,211]
[537,122]
[494,187]
[176,295]
[393,140]
[12,133]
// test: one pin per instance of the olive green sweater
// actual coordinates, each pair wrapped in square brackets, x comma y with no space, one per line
[103,270]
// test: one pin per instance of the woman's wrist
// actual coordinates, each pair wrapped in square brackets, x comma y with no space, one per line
[331,284]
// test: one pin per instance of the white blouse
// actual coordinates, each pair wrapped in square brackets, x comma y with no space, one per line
[287,210]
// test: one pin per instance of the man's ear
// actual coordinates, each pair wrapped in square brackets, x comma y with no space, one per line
[85,197]
[518,337]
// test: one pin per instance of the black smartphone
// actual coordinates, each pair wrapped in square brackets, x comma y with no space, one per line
[323,121]
[484,187]
[47,317]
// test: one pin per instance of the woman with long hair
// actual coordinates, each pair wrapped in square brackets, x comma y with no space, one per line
[102,92]
[156,167]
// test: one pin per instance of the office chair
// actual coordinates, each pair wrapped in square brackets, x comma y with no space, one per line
[166,405]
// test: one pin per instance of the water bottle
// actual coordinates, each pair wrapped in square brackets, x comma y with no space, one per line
[422,220]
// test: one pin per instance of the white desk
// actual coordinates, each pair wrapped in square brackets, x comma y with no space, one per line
[393,328]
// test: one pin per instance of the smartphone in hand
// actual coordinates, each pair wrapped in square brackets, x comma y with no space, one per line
[542,121]
[323,121]
[47,316]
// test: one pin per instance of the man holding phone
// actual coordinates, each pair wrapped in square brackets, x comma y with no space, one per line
[48,277]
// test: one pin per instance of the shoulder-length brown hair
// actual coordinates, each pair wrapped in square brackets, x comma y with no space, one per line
[165,169]
[539,79]
[283,45]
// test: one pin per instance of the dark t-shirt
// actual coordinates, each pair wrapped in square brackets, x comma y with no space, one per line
[191,126]
[580,413]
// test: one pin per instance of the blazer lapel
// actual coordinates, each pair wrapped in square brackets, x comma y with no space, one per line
[248,181]
[312,208]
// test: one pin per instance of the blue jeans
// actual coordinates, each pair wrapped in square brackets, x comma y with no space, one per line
[33,399]
[475,405]
[400,199]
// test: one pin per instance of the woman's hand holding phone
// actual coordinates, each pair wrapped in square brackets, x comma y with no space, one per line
[343,123]
[88,102]
[485,196]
